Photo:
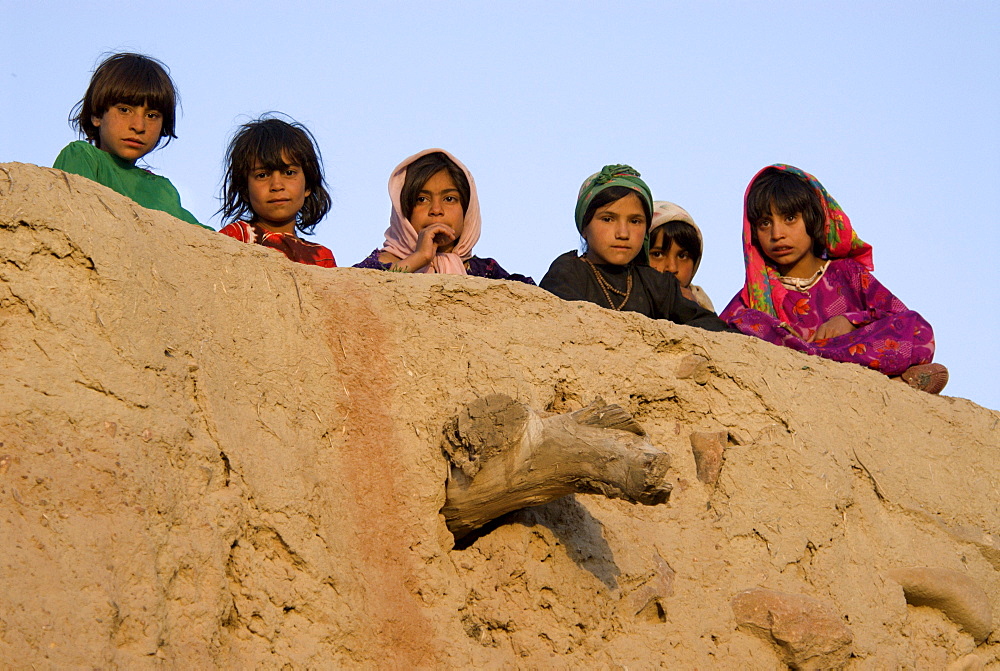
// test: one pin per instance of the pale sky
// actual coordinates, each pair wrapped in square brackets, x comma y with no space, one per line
[894,106]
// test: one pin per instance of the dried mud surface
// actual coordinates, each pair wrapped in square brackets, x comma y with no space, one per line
[210,456]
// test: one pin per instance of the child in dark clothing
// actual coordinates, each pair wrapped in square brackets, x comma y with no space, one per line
[613,212]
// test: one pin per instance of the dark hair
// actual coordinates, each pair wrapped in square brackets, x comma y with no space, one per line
[260,144]
[681,232]
[132,79]
[425,167]
[790,195]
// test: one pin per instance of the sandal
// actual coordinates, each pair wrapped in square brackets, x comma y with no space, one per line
[929,377]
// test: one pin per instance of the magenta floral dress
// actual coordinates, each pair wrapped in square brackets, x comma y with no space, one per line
[889,337]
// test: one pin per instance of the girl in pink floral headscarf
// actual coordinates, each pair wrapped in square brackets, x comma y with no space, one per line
[809,286]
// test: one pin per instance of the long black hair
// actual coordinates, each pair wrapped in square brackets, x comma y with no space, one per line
[266,143]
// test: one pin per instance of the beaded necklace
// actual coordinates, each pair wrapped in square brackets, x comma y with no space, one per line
[804,283]
[608,289]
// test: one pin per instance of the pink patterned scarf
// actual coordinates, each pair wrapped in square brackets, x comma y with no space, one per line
[762,290]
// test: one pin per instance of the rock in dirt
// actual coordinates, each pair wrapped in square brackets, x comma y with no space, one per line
[807,633]
[951,592]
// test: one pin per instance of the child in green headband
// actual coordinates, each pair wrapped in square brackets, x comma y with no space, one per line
[613,212]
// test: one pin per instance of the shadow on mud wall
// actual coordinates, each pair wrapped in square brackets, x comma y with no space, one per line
[574,528]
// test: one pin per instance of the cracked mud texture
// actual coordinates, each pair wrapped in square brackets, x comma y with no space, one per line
[214,457]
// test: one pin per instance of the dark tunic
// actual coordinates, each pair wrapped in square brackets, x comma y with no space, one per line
[475,266]
[654,294]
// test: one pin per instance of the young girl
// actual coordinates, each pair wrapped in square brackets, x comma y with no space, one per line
[435,221]
[613,211]
[808,284]
[274,187]
[675,245]
[127,110]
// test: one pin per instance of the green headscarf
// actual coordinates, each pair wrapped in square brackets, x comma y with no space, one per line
[614,175]
[610,175]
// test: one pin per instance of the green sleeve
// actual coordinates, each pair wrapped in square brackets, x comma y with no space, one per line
[151,191]
[174,206]
[79,159]
[190,218]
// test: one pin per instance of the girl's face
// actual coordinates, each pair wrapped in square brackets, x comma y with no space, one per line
[276,196]
[616,232]
[439,203]
[783,239]
[128,131]
[669,257]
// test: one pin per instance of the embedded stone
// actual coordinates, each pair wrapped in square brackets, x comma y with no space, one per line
[806,632]
[953,593]
[708,449]
[693,366]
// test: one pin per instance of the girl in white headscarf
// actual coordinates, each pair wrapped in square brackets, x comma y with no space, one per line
[675,246]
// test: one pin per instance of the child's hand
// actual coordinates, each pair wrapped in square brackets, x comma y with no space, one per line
[688,294]
[434,236]
[428,241]
[837,326]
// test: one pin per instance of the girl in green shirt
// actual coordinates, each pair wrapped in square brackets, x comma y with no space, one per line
[129,106]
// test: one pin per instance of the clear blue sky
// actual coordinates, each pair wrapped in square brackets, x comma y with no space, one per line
[895,107]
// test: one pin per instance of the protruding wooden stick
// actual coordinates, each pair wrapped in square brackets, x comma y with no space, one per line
[505,457]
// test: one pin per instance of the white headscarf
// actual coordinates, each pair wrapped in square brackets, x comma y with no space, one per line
[664,211]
